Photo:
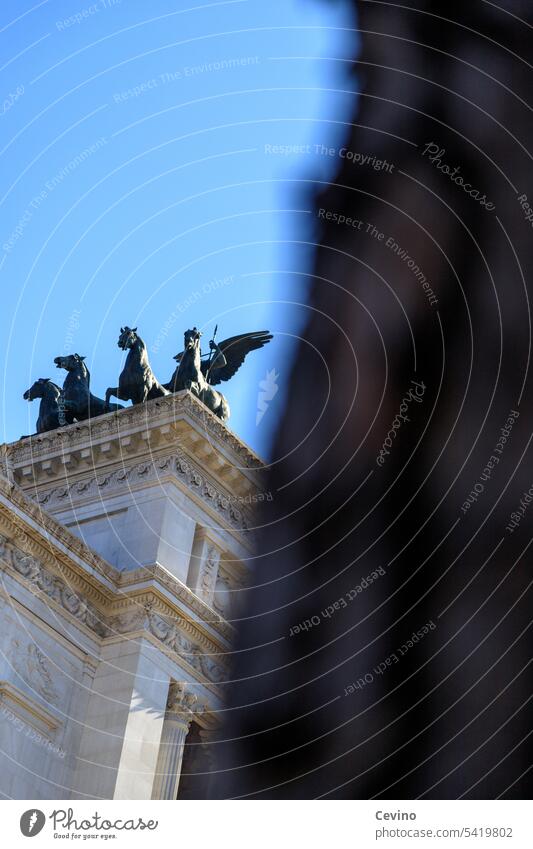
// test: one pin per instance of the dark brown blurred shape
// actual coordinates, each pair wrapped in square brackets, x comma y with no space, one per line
[449,717]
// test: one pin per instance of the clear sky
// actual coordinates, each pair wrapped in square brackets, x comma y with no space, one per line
[141,183]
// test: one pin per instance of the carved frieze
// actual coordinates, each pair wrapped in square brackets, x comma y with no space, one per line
[54,587]
[152,470]
[107,605]
[172,636]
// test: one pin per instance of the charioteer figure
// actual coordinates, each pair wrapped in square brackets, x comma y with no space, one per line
[200,375]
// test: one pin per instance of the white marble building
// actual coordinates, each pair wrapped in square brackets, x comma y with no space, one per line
[122,547]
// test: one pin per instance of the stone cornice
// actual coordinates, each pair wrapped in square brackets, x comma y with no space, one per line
[131,580]
[175,634]
[133,430]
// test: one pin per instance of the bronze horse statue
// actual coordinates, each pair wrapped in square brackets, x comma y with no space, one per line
[54,409]
[222,363]
[76,389]
[137,382]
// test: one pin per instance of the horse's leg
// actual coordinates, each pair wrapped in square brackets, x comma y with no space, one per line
[113,390]
[223,411]
[138,395]
[157,391]
[48,416]
[117,392]
[215,402]
[71,412]
[221,407]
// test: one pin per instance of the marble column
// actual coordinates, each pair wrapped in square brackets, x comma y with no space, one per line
[178,718]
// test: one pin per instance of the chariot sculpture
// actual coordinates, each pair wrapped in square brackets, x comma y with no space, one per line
[197,373]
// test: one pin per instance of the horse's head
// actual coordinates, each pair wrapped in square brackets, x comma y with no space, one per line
[128,337]
[70,363]
[191,340]
[38,389]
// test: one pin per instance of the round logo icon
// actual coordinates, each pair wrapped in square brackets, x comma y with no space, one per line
[32,822]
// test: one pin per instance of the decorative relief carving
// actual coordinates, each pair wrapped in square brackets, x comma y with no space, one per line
[151,470]
[180,592]
[181,702]
[209,572]
[55,588]
[124,623]
[174,639]
[32,569]
[228,595]
[171,636]
[3,545]
[30,663]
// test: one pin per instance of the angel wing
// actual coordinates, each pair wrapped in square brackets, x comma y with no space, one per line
[235,350]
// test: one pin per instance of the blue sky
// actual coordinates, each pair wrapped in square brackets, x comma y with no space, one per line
[146,180]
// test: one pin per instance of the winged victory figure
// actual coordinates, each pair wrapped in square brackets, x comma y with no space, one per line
[199,375]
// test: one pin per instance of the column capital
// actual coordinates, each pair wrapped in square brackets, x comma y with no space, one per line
[181,703]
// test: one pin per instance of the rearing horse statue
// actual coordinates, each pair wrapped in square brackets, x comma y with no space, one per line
[76,389]
[137,383]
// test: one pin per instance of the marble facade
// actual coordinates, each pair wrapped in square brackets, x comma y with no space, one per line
[122,552]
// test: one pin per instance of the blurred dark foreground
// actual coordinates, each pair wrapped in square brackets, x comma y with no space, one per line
[386,643]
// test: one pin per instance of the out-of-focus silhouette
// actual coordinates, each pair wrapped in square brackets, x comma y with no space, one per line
[385,643]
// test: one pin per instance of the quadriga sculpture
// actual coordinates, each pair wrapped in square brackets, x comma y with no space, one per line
[137,382]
